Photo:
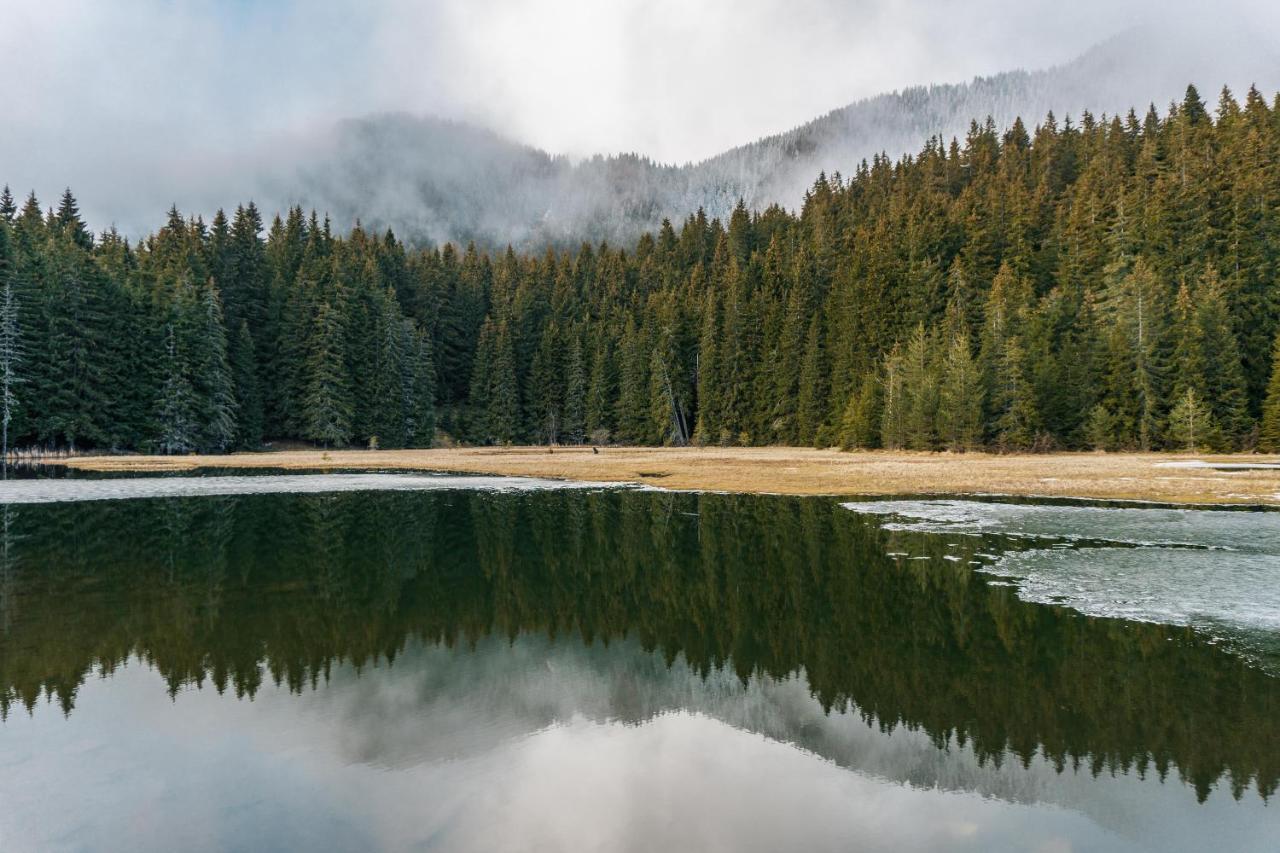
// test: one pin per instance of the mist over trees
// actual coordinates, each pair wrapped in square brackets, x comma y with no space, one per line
[436,181]
[1107,284]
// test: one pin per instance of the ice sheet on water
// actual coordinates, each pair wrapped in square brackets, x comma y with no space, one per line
[54,491]
[1222,594]
[1215,571]
[1251,532]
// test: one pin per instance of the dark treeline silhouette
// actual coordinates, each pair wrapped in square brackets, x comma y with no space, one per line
[1107,284]
[227,592]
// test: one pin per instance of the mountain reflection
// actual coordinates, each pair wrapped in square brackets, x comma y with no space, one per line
[231,590]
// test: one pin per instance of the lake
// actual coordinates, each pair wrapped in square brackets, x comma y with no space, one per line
[361,662]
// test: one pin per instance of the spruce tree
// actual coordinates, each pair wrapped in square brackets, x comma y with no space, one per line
[421,427]
[574,430]
[244,372]
[8,208]
[601,389]
[960,399]
[12,354]
[176,418]
[1223,368]
[546,392]
[893,408]
[1191,423]
[920,391]
[326,403]
[811,400]
[211,374]
[860,426]
[1017,420]
[1269,429]
[709,425]
[634,417]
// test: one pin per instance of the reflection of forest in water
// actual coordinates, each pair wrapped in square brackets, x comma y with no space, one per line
[235,590]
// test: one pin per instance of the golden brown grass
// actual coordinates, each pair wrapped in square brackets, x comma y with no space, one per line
[785,470]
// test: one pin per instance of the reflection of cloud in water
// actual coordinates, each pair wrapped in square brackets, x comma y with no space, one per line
[542,745]
[437,704]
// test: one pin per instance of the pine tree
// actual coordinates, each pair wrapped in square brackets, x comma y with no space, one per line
[211,375]
[244,372]
[960,400]
[893,409]
[633,416]
[8,208]
[1100,428]
[860,426]
[1190,423]
[811,401]
[494,386]
[574,430]
[546,394]
[920,391]
[1223,368]
[69,222]
[12,355]
[709,426]
[600,394]
[1018,420]
[387,365]
[176,418]
[326,404]
[1269,429]
[1134,317]
[421,427]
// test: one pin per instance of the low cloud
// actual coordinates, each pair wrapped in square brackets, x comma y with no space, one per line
[142,104]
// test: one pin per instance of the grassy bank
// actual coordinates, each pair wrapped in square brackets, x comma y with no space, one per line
[786,470]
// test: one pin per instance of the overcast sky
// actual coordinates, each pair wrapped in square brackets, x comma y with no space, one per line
[167,87]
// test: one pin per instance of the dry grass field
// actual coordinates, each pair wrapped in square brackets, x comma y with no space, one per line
[789,470]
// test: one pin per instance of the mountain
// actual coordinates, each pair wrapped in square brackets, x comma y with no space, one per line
[433,180]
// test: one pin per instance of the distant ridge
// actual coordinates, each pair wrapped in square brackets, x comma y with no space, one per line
[432,180]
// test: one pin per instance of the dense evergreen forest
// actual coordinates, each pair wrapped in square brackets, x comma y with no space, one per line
[1107,284]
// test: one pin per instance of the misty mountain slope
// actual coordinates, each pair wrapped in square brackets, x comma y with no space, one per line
[432,180]
[1111,78]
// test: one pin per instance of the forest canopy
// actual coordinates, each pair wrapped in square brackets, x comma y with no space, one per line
[1110,284]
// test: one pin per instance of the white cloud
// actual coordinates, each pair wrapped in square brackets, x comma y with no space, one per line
[137,98]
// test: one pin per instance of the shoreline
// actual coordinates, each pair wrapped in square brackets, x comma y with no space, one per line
[788,470]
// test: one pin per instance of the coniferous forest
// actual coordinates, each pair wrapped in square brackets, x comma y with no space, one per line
[1108,283]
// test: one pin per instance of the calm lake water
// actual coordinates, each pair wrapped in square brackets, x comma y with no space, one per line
[435,665]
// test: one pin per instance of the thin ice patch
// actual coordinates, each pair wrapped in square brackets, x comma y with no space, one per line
[60,491]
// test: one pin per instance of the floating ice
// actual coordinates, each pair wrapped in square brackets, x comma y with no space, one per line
[1213,570]
[1249,531]
[55,491]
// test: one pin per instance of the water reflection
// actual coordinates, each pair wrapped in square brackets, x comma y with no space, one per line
[631,651]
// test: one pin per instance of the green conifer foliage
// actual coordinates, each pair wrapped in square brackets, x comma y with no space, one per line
[860,426]
[244,372]
[327,408]
[960,398]
[574,429]
[1191,424]
[1065,287]
[421,425]
[1269,429]
[176,418]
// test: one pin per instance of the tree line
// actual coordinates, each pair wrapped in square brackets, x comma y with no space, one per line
[1109,284]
